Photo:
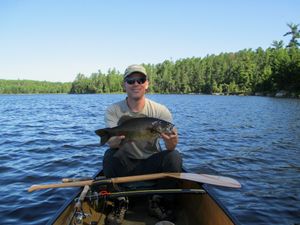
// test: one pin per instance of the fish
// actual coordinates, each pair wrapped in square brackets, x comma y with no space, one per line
[141,128]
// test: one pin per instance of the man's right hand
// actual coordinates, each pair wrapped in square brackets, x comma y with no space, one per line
[115,141]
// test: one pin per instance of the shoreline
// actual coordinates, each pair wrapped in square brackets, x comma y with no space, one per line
[280,94]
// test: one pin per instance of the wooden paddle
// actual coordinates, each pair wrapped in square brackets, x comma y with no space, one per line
[201,178]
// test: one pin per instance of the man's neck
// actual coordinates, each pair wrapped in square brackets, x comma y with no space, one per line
[136,105]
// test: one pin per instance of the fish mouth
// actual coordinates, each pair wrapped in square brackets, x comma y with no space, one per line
[170,129]
[160,130]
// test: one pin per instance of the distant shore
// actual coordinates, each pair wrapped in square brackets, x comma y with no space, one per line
[280,94]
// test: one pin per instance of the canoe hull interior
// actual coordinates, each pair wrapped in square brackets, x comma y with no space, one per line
[190,209]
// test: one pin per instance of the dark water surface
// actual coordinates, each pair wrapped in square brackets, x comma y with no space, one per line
[255,140]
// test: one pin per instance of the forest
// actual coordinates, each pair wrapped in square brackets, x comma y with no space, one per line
[246,72]
[33,87]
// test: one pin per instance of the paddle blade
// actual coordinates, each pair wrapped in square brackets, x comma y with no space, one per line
[207,179]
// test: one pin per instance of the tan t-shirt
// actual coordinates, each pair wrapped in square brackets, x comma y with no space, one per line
[137,149]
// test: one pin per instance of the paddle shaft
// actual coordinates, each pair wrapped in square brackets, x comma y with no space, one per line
[115,180]
[68,180]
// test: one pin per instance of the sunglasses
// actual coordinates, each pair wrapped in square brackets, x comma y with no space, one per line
[139,80]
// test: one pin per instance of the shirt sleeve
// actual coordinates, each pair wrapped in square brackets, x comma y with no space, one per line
[110,118]
[166,114]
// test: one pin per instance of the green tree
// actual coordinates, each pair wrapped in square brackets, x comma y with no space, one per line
[295,33]
[278,44]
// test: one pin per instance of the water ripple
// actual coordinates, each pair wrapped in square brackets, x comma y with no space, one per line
[252,139]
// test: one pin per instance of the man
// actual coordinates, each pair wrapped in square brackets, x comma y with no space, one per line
[131,158]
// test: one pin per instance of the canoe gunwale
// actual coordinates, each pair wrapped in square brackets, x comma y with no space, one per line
[212,193]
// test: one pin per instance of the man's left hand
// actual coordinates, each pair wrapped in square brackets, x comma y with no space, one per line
[170,139]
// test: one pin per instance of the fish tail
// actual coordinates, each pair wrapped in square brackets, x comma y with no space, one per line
[104,134]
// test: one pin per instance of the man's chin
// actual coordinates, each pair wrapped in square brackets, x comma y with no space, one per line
[136,96]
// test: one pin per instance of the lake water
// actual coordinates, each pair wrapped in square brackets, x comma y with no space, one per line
[255,140]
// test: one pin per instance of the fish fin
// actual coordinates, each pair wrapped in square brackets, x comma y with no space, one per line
[104,134]
[124,119]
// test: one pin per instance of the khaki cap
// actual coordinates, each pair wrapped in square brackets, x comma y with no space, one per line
[135,69]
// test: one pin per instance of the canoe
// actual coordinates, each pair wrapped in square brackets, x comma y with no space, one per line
[195,203]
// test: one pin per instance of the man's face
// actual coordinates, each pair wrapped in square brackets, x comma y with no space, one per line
[136,85]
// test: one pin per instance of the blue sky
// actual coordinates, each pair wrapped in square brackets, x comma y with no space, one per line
[54,40]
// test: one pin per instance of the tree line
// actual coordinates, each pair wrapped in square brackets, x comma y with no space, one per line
[244,72]
[33,87]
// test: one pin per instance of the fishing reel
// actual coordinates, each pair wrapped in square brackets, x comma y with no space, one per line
[79,217]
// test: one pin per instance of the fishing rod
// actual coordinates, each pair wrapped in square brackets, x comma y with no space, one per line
[116,194]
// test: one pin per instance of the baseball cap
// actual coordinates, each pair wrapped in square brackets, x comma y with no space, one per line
[135,69]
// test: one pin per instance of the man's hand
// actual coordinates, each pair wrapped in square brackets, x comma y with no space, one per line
[114,142]
[170,139]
